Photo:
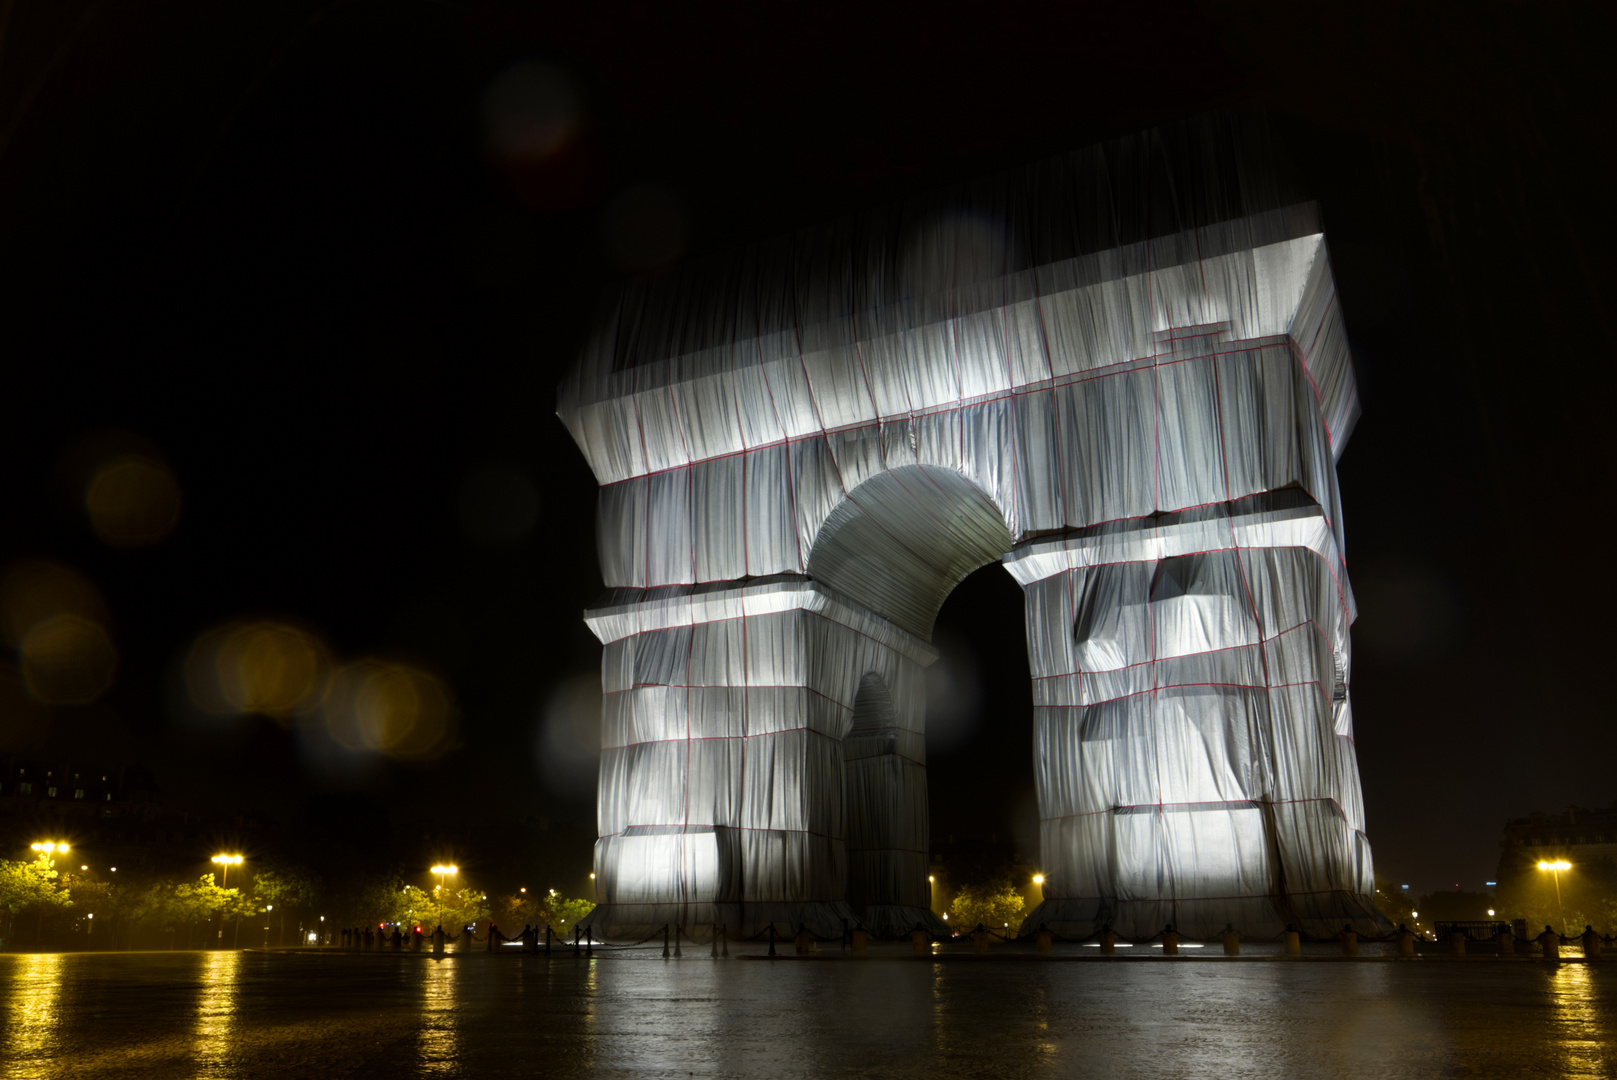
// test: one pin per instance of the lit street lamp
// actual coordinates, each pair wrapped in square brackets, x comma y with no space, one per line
[443,873]
[1555,868]
[46,847]
[226,861]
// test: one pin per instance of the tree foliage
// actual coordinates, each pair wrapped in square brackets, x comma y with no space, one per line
[995,904]
[31,887]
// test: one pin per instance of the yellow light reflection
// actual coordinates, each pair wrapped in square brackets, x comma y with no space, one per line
[439,1039]
[132,501]
[216,1012]
[32,1019]
[1579,1021]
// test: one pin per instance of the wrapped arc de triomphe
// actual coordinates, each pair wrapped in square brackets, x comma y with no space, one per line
[1124,374]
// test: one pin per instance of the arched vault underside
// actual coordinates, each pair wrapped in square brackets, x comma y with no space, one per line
[803,447]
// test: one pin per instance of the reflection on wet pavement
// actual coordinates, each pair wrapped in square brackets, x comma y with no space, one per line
[245,1015]
[32,1000]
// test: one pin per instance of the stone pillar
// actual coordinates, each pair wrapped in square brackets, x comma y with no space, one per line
[722,793]
[1190,699]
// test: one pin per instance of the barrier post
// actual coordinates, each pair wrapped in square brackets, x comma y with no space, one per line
[589,940]
[1591,943]
[1108,941]
[1294,941]
[920,942]
[1044,938]
[396,941]
[493,938]
[1507,943]
[530,940]
[576,929]
[1456,943]
[861,941]
[713,951]
[415,939]
[1406,941]
[679,931]
[724,945]
[438,941]
[1350,940]
[1170,941]
[1232,940]
[979,940]
[665,941]
[1549,944]
[801,940]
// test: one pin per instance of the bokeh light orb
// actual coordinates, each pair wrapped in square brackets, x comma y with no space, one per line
[56,621]
[530,112]
[391,708]
[34,590]
[67,660]
[271,668]
[133,501]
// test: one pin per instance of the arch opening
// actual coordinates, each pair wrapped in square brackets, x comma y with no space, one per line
[901,541]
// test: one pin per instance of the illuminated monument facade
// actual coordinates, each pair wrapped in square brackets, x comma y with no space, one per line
[1123,374]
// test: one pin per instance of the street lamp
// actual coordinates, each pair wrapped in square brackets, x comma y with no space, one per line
[443,873]
[1555,868]
[45,847]
[226,861]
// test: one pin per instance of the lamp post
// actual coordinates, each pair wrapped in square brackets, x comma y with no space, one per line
[1555,868]
[443,873]
[226,861]
[48,847]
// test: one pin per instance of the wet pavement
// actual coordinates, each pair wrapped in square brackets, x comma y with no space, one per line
[243,1014]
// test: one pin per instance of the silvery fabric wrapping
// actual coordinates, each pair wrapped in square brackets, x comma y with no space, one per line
[1123,372]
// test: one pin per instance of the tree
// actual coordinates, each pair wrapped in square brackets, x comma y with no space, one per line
[166,906]
[104,905]
[996,905]
[282,889]
[30,886]
[551,909]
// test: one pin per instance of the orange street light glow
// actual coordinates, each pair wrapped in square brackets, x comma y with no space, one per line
[48,846]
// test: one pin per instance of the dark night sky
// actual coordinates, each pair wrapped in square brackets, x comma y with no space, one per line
[275,242]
